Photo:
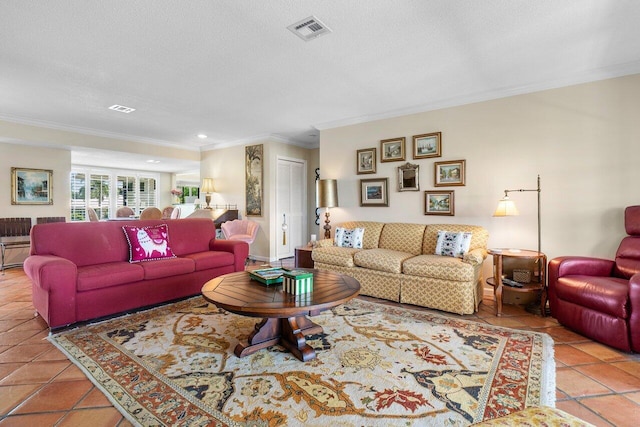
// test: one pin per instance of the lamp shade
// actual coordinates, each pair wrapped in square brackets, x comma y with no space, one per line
[207,186]
[506,207]
[326,193]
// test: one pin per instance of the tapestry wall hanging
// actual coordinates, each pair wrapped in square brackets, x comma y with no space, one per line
[253,179]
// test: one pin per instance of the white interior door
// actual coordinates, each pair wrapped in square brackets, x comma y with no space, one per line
[291,199]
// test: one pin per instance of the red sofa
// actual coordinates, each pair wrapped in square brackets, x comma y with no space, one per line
[600,298]
[81,271]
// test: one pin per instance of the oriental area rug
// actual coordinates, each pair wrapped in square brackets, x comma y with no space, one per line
[376,365]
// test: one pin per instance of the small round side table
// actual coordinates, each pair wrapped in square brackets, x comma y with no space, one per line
[537,284]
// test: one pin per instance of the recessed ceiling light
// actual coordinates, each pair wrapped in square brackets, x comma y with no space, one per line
[153,161]
[122,108]
[202,136]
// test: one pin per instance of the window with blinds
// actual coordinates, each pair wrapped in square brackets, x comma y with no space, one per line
[105,191]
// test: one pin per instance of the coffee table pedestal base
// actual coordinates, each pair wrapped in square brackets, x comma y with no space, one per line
[288,332]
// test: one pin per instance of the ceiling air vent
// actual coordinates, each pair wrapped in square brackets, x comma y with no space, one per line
[309,28]
[122,108]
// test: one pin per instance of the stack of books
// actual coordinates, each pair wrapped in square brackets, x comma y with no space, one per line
[268,276]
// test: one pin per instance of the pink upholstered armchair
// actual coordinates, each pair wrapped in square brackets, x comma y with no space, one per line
[240,229]
[600,298]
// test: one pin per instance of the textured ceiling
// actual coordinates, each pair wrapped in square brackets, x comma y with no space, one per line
[231,69]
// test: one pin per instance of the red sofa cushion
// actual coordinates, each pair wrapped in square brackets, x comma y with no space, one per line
[167,267]
[602,294]
[89,243]
[207,260]
[98,276]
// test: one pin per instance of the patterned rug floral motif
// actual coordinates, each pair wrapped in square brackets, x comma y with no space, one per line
[376,365]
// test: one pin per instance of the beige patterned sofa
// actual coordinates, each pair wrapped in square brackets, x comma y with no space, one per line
[397,262]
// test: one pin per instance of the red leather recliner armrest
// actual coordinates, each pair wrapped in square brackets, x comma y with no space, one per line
[583,266]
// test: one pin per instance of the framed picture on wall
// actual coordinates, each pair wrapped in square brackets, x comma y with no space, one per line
[439,203]
[392,150]
[427,145]
[449,173]
[253,179]
[31,186]
[374,192]
[366,161]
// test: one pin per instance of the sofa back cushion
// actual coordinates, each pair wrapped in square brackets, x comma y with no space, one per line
[372,232]
[190,235]
[97,242]
[628,254]
[479,236]
[402,237]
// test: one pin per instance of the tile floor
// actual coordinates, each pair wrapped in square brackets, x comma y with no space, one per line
[40,387]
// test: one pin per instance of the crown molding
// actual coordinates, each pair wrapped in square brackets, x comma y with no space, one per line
[93,132]
[594,75]
[254,139]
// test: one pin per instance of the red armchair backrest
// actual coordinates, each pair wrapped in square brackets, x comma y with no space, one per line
[628,254]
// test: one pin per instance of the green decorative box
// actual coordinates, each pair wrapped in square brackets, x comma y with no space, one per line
[268,276]
[297,282]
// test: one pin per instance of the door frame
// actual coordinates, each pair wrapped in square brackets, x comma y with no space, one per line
[277,219]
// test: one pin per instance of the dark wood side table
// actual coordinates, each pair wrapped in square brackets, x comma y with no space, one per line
[284,316]
[505,262]
[303,257]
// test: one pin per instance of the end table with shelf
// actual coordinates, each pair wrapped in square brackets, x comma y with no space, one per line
[505,261]
[303,257]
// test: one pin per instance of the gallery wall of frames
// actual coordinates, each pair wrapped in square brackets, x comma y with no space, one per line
[374,191]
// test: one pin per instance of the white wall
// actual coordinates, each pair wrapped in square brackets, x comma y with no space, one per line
[583,140]
[226,166]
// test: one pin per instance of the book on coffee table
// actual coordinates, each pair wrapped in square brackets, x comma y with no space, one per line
[268,276]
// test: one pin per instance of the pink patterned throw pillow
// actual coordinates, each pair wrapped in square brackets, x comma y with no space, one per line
[148,243]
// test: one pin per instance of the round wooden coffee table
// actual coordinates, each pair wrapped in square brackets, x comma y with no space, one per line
[284,317]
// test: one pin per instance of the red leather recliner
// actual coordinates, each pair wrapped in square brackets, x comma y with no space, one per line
[600,298]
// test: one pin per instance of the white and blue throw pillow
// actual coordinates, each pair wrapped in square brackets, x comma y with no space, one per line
[349,238]
[453,244]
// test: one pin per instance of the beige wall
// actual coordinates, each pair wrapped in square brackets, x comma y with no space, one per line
[583,140]
[226,166]
[33,135]
[59,161]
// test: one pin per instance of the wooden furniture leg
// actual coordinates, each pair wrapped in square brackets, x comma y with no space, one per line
[289,332]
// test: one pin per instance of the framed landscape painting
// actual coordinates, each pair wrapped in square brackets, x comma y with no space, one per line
[438,203]
[449,173]
[392,150]
[427,145]
[31,186]
[374,192]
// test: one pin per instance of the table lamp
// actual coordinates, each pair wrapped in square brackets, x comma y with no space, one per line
[327,197]
[207,189]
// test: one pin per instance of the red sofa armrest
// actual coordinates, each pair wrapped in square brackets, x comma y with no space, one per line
[53,288]
[239,249]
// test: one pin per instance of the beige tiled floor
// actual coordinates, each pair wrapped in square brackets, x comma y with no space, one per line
[40,387]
